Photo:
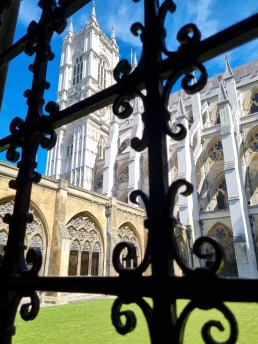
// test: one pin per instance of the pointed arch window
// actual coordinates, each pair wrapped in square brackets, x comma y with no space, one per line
[77,70]
[102,73]
[123,176]
[102,147]
[253,145]
[222,196]
[254,102]
[124,145]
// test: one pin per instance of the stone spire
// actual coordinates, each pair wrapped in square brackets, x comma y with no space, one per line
[223,97]
[93,13]
[181,107]
[113,36]
[70,30]
[228,72]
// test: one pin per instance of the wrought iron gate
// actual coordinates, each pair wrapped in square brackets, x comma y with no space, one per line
[38,129]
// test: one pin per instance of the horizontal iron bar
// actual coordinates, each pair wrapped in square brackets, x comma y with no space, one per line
[203,289]
[70,7]
[207,49]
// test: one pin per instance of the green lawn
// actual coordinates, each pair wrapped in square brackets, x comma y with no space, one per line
[89,322]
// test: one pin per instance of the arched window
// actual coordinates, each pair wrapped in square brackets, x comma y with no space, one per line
[85,259]
[102,147]
[73,260]
[123,146]
[222,195]
[95,260]
[35,233]
[123,176]
[216,153]
[77,70]
[85,249]
[215,117]
[102,73]
[69,149]
[125,233]
[225,236]
[254,102]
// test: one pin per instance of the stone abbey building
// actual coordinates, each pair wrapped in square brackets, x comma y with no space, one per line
[82,207]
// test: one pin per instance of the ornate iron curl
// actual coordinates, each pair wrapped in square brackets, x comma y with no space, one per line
[206,329]
[130,319]
[29,311]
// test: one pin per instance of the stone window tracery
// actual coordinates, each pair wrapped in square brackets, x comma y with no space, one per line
[85,248]
[125,233]
[123,176]
[102,73]
[253,145]
[124,145]
[35,235]
[216,152]
[77,70]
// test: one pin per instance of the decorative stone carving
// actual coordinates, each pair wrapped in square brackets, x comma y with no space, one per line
[82,229]
[34,233]
[125,233]
[216,152]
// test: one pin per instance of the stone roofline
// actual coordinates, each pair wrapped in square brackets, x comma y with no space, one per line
[10,171]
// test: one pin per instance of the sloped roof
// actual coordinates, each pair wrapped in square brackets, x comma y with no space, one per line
[249,69]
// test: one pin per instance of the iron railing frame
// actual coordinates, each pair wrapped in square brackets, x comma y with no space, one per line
[202,286]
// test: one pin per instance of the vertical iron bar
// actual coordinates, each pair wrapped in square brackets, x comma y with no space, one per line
[159,224]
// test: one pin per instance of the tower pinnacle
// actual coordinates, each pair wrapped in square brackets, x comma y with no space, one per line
[113,36]
[93,12]
[228,72]
[70,30]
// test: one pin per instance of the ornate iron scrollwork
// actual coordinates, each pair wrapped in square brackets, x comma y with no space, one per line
[20,275]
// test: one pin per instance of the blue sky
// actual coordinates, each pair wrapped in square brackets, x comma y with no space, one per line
[210,16]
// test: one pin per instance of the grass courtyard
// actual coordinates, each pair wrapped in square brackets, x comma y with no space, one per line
[89,322]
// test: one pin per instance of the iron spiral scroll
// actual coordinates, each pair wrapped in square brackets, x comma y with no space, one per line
[20,274]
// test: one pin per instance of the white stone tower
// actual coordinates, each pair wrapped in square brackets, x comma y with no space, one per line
[87,62]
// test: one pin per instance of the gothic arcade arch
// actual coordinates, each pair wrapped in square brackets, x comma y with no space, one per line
[224,235]
[37,233]
[127,232]
[86,245]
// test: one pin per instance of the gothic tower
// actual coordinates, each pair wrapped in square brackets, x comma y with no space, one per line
[87,62]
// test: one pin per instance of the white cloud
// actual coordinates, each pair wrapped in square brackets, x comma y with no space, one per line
[29,11]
